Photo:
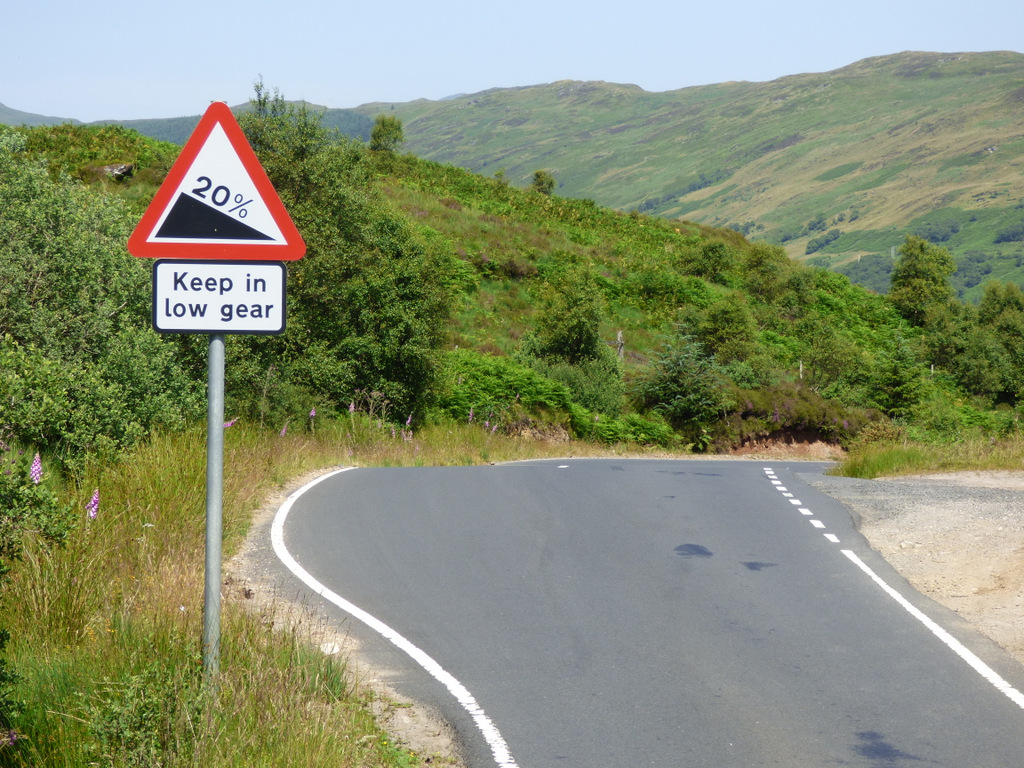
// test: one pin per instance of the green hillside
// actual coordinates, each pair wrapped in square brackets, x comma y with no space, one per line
[842,164]
[437,315]
[436,287]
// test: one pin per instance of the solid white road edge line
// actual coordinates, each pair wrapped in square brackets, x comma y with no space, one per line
[955,645]
[490,732]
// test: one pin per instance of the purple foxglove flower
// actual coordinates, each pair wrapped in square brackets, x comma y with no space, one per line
[37,470]
[230,423]
[312,414]
[93,507]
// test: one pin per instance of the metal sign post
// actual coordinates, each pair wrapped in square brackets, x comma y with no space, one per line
[214,505]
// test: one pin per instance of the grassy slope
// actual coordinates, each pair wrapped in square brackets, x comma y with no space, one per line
[884,141]
[509,241]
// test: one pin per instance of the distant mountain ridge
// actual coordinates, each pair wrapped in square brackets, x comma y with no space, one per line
[178,129]
[836,166]
[9,116]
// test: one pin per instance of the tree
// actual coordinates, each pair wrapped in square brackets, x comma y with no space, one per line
[725,329]
[715,260]
[765,269]
[688,387]
[1001,318]
[566,345]
[920,279]
[896,380]
[543,182]
[387,134]
[567,323]
[368,304]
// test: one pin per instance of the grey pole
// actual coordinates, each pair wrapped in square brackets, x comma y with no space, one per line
[214,503]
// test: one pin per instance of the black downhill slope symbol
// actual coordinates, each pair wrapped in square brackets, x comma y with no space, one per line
[190,218]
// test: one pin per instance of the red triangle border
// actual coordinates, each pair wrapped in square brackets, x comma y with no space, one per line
[292,249]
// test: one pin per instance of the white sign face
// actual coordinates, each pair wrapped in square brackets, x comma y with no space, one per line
[218,297]
[217,202]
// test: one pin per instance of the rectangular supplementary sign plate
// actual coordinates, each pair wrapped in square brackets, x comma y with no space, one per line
[219,297]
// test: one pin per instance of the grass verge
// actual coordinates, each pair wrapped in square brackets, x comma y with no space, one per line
[884,459]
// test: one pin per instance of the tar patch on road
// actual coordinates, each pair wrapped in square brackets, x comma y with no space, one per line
[693,550]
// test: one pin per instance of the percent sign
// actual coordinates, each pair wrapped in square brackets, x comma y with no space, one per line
[220,195]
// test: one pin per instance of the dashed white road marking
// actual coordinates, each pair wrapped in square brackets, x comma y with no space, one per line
[955,645]
[499,749]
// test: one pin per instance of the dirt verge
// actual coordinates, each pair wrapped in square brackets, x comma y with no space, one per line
[964,550]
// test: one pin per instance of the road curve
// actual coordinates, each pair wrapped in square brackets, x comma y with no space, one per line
[643,612]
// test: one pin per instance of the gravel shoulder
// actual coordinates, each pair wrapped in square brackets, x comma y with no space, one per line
[957,537]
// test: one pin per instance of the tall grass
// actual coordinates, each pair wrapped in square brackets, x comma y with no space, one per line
[882,459]
[106,630]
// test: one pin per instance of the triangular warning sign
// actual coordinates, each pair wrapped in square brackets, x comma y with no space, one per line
[217,202]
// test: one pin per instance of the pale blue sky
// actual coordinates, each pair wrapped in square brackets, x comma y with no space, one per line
[125,59]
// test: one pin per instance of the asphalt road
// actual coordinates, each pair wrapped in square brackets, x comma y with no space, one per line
[641,612]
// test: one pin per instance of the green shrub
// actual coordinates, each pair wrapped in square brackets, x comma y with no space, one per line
[595,384]
[687,387]
[938,231]
[632,428]
[788,410]
[815,244]
[1012,234]
[473,385]
[505,394]
[78,410]
[568,320]
[945,416]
